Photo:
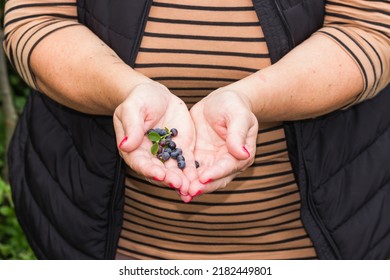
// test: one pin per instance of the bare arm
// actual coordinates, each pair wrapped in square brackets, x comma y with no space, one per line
[70,64]
[74,67]
[345,62]
[64,59]
[315,78]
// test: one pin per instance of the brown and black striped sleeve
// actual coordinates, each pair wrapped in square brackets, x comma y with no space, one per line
[362,29]
[27,22]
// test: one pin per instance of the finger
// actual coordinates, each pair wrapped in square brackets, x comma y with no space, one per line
[197,188]
[190,171]
[184,198]
[129,128]
[237,134]
[155,181]
[184,141]
[224,167]
[174,177]
[146,165]
[177,178]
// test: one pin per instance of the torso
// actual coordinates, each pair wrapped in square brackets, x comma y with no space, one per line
[257,216]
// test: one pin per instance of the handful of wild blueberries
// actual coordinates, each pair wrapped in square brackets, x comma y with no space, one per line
[164,147]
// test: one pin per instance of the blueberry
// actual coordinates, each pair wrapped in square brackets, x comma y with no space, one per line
[180,158]
[171,145]
[162,142]
[174,132]
[176,152]
[168,150]
[150,130]
[181,164]
[196,164]
[160,150]
[159,156]
[161,131]
[168,138]
[165,156]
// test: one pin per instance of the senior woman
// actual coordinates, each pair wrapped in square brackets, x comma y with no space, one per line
[284,104]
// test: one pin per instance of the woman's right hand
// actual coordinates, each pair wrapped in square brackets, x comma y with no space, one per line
[151,105]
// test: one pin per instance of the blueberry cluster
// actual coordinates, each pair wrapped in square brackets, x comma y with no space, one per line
[164,147]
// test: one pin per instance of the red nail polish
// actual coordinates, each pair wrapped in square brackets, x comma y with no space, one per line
[157,179]
[172,186]
[208,181]
[246,151]
[198,193]
[123,141]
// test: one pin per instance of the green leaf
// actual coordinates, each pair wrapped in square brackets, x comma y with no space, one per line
[154,148]
[154,136]
[167,130]
[6,211]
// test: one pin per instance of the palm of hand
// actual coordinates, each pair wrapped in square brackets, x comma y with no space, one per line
[177,116]
[180,119]
[151,106]
[221,139]
[222,156]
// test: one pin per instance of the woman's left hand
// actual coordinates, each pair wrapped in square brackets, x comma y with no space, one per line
[226,132]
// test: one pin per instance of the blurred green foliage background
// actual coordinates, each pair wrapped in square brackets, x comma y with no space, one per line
[13,244]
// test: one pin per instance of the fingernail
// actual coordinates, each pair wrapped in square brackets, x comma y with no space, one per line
[179,192]
[198,193]
[246,151]
[123,141]
[157,179]
[189,200]
[206,182]
[172,186]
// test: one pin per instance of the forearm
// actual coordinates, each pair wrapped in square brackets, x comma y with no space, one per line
[74,67]
[345,62]
[315,78]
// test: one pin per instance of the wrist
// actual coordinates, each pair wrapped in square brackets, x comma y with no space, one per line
[126,83]
[144,92]
[250,90]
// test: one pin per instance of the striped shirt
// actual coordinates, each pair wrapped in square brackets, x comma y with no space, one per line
[360,27]
[257,215]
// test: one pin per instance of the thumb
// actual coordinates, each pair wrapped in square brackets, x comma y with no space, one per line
[129,128]
[236,138]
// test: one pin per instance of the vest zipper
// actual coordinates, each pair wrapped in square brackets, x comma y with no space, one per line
[291,42]
[137,44]
[111,239]
[111,236]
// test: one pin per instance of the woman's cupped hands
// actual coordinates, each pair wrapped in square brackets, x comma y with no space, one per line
[219,132]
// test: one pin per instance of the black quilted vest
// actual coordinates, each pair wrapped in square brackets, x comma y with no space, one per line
[67,177]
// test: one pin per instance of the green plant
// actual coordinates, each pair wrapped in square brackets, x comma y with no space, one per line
[13,244]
